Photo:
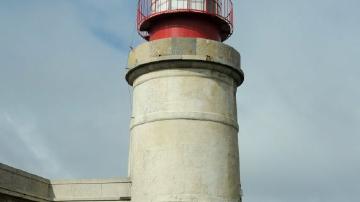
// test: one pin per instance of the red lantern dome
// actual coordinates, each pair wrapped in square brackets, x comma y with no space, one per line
[209,19]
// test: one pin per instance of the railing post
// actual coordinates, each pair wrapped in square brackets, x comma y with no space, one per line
[205,5]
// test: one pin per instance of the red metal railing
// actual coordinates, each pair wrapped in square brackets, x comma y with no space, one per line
[150,8]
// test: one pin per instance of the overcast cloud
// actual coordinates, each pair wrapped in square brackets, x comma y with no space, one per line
[65,105]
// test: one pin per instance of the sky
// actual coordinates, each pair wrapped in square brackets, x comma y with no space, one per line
[65,105]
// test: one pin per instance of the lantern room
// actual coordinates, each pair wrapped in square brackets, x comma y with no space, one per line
[209,19]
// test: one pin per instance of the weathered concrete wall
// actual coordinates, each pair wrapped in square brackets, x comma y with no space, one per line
[91,190]
[20,186]
[17,183]
[184,53]
[184,143]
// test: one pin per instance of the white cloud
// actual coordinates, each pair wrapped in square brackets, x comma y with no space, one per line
[38,151]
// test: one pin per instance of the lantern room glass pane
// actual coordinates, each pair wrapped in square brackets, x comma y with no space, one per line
[197,5]
[179,4]
[211,6]
[159,5]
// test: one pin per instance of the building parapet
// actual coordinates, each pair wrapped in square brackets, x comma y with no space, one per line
[22,186]
[116,189]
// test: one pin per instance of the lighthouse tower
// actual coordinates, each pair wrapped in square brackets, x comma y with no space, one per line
[184,130]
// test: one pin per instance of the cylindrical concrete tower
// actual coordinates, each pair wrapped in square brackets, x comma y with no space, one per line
[184,131]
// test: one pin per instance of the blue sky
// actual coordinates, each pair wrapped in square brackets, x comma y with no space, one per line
[65,105]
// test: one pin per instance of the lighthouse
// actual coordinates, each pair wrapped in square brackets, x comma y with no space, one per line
[184,129]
